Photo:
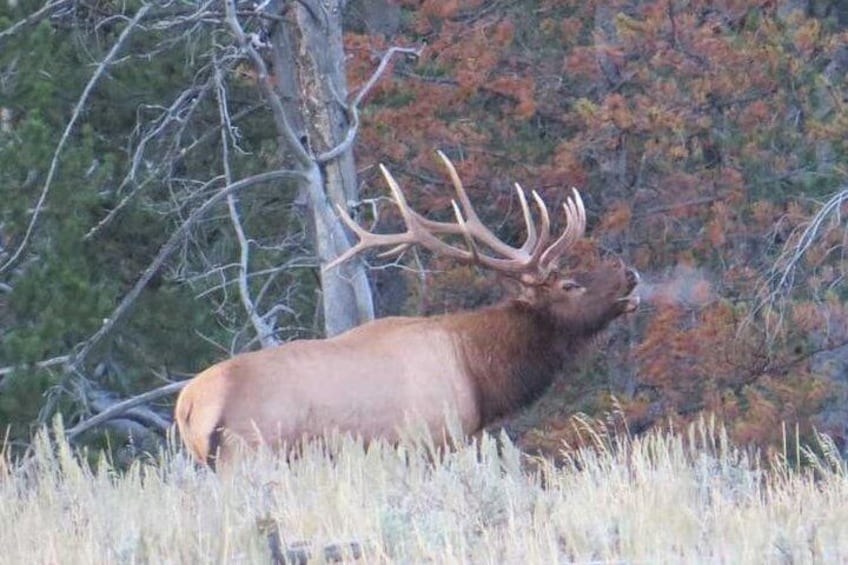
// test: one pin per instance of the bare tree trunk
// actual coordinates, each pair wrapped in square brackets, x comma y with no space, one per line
[309,77]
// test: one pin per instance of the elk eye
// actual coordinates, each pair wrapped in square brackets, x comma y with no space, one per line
[570,286]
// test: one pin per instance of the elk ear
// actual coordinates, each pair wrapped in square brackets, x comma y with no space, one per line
[514,287]
[523,289]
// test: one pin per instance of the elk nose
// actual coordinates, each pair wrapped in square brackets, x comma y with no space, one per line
[632,277]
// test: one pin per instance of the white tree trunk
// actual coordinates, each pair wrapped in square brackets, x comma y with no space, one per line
[309,78]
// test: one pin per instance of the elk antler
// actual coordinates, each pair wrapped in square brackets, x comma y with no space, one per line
[534,259]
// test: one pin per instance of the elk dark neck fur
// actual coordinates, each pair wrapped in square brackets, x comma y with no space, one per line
[512,352]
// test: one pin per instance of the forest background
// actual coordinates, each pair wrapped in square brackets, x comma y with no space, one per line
[168,170]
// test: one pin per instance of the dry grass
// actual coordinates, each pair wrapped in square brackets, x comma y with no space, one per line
[658,499]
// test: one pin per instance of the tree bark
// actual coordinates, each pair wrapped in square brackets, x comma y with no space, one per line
[309,77]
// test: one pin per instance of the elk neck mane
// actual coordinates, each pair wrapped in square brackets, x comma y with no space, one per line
[511,352]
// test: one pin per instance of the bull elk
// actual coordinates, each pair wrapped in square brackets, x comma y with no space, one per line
[369,381]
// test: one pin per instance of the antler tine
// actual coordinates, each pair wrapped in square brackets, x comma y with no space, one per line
[528,219]
[469,240]
[575,218]
[472,220]
[538,246]
[397,193]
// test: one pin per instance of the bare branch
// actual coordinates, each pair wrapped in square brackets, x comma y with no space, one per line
[264,331]
[782,278]
[296,263]
[121,408]
[193,96]
[353,109]
[33,18]
[101,400]
[173,114]
[381,68]
[81,102]
[6,371]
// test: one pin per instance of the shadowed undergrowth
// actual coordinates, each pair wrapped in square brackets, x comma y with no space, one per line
[664,497]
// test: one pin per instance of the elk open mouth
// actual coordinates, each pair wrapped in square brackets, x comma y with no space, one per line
[631,302]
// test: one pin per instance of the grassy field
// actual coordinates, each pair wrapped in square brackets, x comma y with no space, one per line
[663,498]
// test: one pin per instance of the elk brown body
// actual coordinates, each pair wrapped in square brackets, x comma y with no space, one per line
[372,380]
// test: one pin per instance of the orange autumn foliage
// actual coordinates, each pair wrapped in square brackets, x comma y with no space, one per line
[700,133]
